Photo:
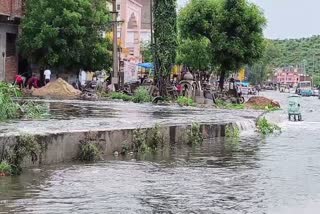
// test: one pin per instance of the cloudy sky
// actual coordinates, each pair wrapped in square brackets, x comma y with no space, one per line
[289,18]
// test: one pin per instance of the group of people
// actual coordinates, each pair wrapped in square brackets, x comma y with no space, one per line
[33,81]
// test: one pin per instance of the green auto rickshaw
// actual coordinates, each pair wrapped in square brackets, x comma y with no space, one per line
[294,107]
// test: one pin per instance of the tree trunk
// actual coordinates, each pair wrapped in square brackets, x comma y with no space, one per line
[221,80]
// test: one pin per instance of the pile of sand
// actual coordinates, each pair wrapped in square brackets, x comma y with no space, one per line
[262,102]
[58,88]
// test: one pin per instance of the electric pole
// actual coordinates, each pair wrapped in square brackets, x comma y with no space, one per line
[115,78]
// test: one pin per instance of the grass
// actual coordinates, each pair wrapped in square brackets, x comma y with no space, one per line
[120,96]
[8,108]
[32,110]
[267,128]
[11,109]
[268,108]
[225,105]
[185,101]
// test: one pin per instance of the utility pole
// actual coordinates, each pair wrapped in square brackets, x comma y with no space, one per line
[153,52]
[115,78]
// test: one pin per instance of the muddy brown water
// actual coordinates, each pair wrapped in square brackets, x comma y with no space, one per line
[277,174]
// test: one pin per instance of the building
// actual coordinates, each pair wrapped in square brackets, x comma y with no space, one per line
[134,28]
[290,76]
[10,15]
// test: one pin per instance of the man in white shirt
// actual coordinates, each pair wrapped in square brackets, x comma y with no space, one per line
[83,77]
[47,75]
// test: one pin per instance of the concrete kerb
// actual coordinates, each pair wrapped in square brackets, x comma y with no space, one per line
[64,146]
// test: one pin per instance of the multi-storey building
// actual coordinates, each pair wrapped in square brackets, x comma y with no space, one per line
[10,15]
[134,27]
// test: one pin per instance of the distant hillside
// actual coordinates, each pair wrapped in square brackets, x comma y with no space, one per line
[292,52]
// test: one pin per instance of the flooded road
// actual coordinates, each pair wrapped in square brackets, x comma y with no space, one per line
[278,174]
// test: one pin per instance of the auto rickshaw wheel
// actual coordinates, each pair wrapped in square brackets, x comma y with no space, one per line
[289,117]
[240,100]
[299,117]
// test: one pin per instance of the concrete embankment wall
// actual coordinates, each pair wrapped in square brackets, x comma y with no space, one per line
[64,147]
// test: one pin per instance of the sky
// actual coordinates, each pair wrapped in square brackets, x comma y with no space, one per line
[288,18]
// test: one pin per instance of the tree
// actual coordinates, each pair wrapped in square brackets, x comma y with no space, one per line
[195,54]
[165,39]
[233,27]
[263,68]
[146,52]
[66,34]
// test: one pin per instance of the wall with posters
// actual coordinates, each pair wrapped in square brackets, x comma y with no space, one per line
[130,71]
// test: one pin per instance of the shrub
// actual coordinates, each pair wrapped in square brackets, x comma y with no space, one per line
[139,141]
[5,168]
[120,96]
[232,132]
[141,95]
[147,140]
[26,146]
[194,135]
[154,138]
[266,128]
[185,101]
[88,152]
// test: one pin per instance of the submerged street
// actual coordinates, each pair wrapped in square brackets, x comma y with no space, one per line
[279,174]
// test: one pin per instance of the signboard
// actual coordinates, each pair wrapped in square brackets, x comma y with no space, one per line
[241,75]
[130,71]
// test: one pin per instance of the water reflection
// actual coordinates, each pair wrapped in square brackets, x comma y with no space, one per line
[176,179]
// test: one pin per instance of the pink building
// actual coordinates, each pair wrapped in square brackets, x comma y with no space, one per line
[134,28]
[290,76]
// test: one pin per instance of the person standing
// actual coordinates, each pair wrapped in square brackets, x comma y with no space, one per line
[47,76]
[82,78]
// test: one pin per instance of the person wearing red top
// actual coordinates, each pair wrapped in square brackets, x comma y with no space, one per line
[33,82]
[19,81]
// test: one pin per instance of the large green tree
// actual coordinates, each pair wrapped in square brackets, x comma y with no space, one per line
[233,27]
[66,33]
[195,54]
[165,39]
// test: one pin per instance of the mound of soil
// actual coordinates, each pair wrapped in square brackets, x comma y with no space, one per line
[262,102]
[58,88]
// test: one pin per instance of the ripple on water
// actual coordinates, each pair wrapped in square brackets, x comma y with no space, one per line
[278,174]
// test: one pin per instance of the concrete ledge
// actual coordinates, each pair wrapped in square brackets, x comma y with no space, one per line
[64,146]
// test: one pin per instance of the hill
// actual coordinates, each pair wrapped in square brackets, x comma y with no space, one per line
[294,52]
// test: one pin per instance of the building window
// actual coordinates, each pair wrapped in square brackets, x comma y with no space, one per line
[118,7]
[11,44]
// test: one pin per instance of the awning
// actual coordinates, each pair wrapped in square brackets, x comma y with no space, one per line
[147,65]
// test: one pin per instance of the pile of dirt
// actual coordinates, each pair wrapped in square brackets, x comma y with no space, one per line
[58,88]
[262,102]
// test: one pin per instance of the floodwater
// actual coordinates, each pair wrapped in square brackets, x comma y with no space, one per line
[278,174]
[74,116]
